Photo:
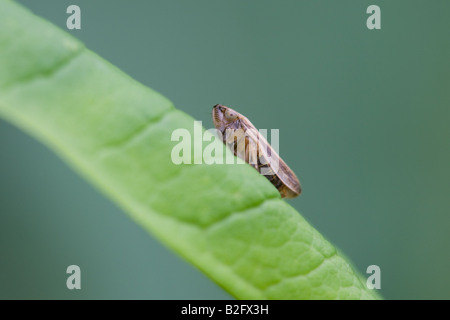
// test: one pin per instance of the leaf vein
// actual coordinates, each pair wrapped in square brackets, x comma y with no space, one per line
[47,72]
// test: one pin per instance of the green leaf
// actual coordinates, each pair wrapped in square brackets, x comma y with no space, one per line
[227,220]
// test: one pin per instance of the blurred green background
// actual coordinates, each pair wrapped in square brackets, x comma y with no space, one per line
[363,118]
